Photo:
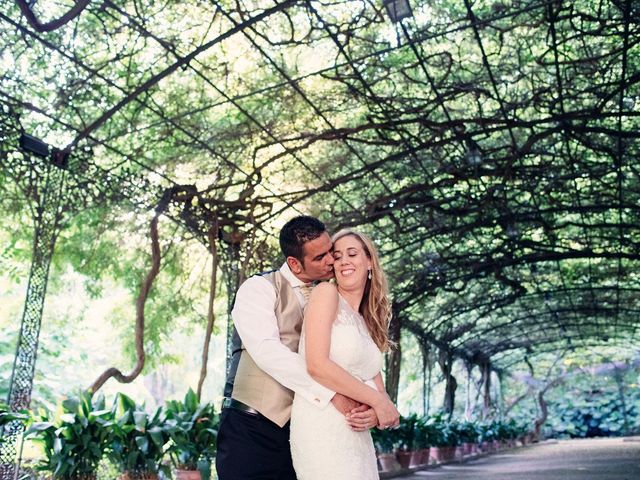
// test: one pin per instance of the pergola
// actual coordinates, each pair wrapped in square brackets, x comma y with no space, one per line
[489,147]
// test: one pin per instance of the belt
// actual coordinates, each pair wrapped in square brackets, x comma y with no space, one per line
[238,405]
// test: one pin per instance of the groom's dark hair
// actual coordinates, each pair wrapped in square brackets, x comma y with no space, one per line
[298,231]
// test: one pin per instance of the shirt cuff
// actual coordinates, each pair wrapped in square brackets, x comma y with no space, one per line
[318,395]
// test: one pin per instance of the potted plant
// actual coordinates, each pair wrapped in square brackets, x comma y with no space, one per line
[192,428]
[138,440]
[421,442]
[455,440]
[468,433]
[436,431]
[513,430]
[385,444]
[489,437]
[450,441]
[405,440]
[504,433]
[75,438]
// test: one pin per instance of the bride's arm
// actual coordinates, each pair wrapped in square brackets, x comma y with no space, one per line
[379,383]
[319,317]
[380,386]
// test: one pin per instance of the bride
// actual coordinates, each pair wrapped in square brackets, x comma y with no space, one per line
[344,335]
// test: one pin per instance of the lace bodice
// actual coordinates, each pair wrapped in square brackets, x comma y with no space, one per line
[351,344]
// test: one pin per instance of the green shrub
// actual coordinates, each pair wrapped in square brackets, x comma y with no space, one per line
[192,428]
[385,441]
[468,432]
[595,413]
[73,439]
[138,438]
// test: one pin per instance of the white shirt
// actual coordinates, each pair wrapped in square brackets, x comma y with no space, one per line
[255,319]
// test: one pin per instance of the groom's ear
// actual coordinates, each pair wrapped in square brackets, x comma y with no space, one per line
[294,265]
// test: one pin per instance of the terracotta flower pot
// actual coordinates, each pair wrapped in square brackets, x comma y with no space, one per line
[416,458]
[188,475]
[404,458]
[466,448]
[435,455]
[424,456]
[388,462]
[138,476]
[447,453]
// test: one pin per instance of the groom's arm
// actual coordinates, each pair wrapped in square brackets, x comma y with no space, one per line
[344,405]
[254,317]
[359,416]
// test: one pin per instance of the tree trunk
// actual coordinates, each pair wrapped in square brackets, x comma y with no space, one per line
[213,236]
[445,359]
[486,388]
[140,303]
[393,360]
[468,407]
[544,411]
[425,387]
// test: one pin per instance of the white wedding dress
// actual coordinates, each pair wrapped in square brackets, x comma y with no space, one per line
[323,446]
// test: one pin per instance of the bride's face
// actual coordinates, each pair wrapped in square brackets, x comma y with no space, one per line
[351,264]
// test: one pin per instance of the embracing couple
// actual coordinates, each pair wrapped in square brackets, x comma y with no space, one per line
[301,396]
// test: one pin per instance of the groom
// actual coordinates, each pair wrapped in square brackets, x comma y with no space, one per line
[266,370]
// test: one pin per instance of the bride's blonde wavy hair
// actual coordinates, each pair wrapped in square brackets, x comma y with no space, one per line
[375,306]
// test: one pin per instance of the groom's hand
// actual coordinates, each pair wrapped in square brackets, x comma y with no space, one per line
[344,404]
[362,418]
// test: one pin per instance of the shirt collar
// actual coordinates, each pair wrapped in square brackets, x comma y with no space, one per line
[289,276]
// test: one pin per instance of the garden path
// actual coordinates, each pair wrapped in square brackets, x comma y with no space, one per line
[585,459]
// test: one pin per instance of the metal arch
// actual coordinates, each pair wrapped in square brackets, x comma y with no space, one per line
[49,201]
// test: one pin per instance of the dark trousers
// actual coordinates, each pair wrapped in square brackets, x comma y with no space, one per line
[252,447]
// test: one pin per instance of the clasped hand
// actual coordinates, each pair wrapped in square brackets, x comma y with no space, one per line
[361,417]
[387,413]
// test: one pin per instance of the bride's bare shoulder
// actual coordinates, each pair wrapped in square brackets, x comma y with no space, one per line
[326,288]
[325,292]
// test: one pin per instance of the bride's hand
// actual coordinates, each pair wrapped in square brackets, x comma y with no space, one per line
[362,418]
[386,412]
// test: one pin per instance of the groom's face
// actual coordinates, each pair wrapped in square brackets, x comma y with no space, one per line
[317,262]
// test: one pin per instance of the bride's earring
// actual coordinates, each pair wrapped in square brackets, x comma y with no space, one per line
[369,276]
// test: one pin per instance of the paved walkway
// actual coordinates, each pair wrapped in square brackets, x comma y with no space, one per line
[589,459]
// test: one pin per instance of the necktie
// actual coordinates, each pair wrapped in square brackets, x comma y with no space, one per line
[305,289]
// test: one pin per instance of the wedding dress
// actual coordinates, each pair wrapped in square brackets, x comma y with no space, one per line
[323,446]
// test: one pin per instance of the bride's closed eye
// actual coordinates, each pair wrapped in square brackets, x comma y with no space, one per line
[352,252]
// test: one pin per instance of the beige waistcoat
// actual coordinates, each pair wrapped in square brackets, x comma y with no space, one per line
[253,386]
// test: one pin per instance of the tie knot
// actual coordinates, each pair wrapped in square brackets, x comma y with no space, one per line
[305,289]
